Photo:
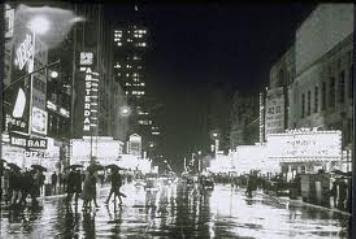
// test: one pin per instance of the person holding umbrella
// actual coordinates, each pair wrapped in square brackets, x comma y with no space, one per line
[89,189]
[72,184]
[116,183]
[14,183]
[39,178]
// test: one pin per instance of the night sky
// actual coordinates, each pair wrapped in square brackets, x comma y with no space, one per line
[197,46]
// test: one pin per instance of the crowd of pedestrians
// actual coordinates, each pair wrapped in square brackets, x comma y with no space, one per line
[74,182]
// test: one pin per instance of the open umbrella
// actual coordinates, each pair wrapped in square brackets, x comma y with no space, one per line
[114,167]
[14,166]
[95,167]
[38,167]
[339,172]
[74,166]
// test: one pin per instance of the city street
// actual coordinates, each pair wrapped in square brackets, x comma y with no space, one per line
[176,212]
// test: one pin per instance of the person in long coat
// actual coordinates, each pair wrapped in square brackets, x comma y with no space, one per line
[116,183]
[89,190]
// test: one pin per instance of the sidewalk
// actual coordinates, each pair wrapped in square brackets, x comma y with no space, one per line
[287,200]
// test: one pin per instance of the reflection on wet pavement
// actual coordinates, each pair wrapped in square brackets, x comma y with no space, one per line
[175,212]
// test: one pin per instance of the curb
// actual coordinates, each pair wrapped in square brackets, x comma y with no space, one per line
[299,202]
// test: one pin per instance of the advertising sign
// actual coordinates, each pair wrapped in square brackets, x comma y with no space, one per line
[30,143]
[319,145]
[39,119]
[274,111]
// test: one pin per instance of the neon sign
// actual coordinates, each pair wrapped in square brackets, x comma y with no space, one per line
[90,99]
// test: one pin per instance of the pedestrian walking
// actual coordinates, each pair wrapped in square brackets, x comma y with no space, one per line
[89,190]
[14,185]
[71,185]
[29,186]
[116,183]
[342,194]
[54,178]
[333,193]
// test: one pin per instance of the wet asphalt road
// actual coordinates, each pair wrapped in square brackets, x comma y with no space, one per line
[175,212]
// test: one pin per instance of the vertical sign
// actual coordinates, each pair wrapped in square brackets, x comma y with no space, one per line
[39,116]
[274,112]
[91,92]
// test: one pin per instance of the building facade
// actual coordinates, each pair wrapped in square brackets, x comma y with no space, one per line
[321,94]
[93,106]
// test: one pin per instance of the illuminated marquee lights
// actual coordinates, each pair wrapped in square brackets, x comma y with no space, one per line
[90,99]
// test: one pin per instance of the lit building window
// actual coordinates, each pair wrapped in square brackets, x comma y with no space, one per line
[127,74]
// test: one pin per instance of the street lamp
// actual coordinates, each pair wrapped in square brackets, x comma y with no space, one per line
[54,74]
[125,111]
[39,25]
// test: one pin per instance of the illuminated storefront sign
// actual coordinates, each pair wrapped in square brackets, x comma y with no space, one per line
[274,111]
[23,141]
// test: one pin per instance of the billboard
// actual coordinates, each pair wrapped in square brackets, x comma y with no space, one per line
[304,145]
[274,111]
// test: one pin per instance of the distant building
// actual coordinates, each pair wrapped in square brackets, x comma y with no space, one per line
[130,47]
[218,110]
[321,94]
[244,120]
